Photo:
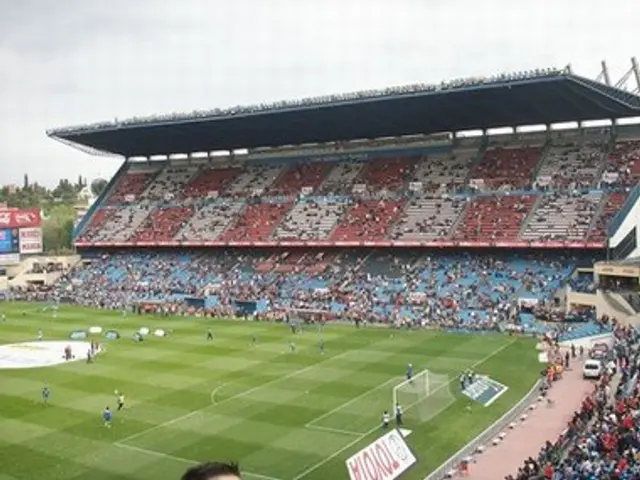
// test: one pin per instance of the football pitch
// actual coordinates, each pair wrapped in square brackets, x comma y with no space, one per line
[283,415]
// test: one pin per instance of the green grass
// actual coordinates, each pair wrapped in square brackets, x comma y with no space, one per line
[189,400]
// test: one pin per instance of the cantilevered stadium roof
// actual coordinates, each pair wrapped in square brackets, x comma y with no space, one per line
[546,98]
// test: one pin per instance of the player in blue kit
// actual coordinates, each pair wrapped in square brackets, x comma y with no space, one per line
[107,416]
[410,373]
[321,346]
[46,393]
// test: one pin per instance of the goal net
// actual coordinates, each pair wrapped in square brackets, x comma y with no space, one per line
[424,396]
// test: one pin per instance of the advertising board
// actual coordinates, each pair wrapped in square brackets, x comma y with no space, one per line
[30,240]
[13,218]
[8,241]
[385,459]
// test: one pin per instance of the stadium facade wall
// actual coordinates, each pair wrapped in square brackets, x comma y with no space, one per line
[588,342]
[627,220]
[605,303]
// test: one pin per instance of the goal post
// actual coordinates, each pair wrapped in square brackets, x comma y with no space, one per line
[424,396]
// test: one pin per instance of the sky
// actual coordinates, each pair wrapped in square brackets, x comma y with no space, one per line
[69,62]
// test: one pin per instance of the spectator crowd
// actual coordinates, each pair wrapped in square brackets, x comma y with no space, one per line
[454,291]
[602,439]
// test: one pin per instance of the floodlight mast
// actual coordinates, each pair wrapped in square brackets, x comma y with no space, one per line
[605,77]
[636,73]
[604,74]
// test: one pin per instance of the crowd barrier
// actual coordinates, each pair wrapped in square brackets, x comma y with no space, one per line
[486,437]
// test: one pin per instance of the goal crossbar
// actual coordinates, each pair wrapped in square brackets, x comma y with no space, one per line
[422,396]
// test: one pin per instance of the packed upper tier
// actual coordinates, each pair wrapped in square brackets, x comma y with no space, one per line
[520,190]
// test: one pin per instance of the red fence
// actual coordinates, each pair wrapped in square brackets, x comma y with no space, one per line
[327,244]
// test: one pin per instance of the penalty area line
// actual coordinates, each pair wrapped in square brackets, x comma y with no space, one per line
[313,468]
[312,423]
[234,397]
[333,430]
[188,461]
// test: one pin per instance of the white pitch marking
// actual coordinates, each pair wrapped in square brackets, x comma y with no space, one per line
[333,430]
[234,397]
[216,390]
[361,437]
[349,402]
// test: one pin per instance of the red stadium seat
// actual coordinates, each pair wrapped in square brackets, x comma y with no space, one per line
[387,173]
[507,166]
[613,203]
[162,224]
[494,218]
[298,176]
[256,222]
[96,223]
[624,160]
[368,221]
[210,180]
[130,184]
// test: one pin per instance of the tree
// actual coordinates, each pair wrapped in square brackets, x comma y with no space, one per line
[98,185]
[57,229]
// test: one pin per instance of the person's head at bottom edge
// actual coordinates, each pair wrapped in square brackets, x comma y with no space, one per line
[213,471]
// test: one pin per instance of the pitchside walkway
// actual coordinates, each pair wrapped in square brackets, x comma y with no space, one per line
[544,423]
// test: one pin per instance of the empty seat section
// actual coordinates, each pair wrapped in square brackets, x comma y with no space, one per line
[256,222]
[162,224]
[427,219]
[310,219]
[571,164]
[494,218]
[562,217]
[507,167]
[210,221]
[253,180]
[169,183]
[298,176]
[210,180]
[612,205]
[367,221]
[95,224]
[121,225]
[387,173]
[131,184]
[624,163]
[445,172]
[341,178]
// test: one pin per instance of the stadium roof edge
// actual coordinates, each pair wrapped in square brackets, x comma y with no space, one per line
[551,96]
[319,101]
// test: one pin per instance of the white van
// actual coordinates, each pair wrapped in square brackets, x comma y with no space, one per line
[592,369]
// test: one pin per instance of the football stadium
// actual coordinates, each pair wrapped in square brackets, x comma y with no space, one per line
[379,285]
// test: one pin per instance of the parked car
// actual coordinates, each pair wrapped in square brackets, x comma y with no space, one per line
[592,369]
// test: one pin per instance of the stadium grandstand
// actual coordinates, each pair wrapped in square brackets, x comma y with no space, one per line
[458,206]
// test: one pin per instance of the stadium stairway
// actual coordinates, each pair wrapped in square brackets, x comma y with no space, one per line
[596,216]
[530,215]
[543,156]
